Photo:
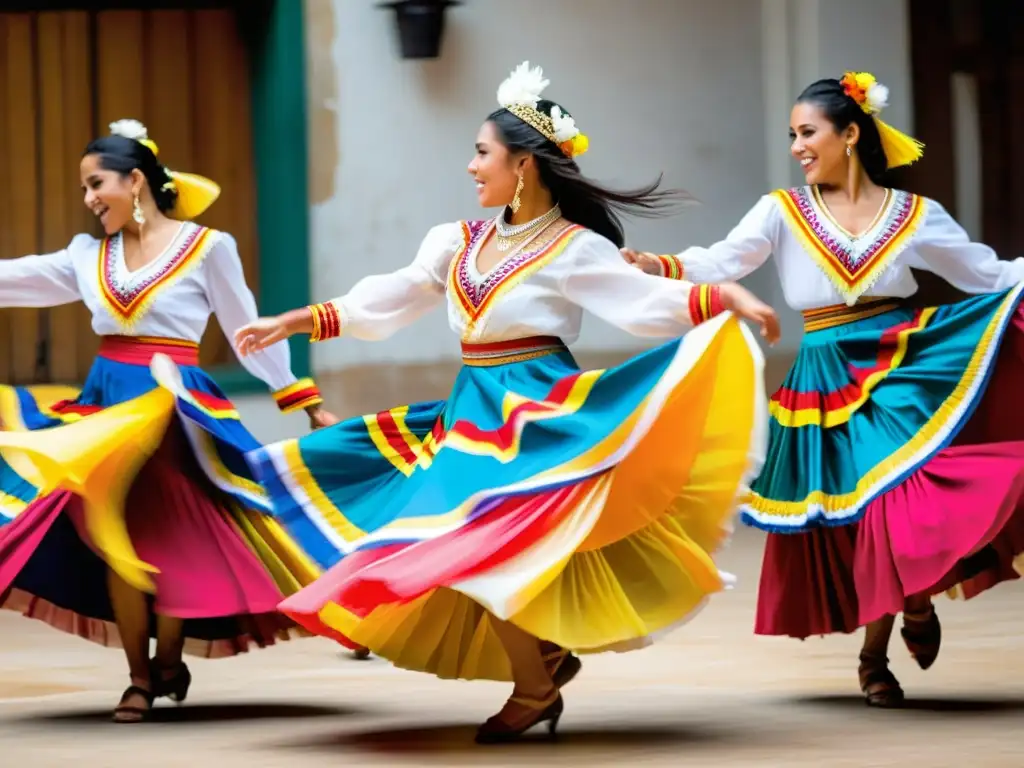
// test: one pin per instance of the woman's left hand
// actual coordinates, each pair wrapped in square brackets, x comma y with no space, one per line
[319,418]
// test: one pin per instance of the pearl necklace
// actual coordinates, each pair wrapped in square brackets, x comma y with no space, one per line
[507,235]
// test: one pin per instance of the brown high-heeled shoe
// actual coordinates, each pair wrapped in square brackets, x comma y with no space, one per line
[547,710]
[922,634]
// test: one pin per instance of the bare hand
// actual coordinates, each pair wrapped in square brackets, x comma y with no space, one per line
[260,334]
[746,305]
[319,418]
[642,260]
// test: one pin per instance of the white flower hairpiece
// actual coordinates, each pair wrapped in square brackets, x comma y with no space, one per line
[564,125]
[876,98]
[523,87]
[130,129]
[520,94]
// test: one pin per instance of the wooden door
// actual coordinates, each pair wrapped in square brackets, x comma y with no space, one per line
[64,77]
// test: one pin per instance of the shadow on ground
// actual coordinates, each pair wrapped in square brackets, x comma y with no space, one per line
[958,705]
[453,739]
[201,713]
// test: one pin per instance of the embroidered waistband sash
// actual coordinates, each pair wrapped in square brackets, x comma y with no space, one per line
[841,314]
[511,351]
[139,350]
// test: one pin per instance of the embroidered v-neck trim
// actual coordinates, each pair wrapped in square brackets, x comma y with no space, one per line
[852,264]
[128,295]
[474,297]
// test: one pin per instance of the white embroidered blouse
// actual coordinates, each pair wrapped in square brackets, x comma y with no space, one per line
[821,264]
[540,290]
[199,274]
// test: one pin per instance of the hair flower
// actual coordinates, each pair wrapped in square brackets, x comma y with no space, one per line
[870,95]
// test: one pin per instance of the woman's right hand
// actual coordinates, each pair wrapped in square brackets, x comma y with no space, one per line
[261,334]
[642,260]
[744,304]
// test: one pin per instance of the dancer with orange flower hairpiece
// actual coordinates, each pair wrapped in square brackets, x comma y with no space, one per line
[895,466]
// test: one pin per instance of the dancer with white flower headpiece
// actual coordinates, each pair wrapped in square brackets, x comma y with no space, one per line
[896,451]
[540,509]
[125,512]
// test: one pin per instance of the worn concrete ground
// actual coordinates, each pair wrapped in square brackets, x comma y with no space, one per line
[711,694]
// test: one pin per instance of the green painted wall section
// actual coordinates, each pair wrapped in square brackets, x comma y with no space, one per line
[277,43]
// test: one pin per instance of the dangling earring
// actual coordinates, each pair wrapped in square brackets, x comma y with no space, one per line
[137,212]
[849,150]
[516,202]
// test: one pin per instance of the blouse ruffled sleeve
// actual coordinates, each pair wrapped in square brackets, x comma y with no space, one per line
[942,246]
[44,280]
[235,306]
[596,278]
[743,250]
[380,305]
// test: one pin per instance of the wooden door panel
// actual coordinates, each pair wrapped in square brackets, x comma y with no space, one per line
[21,156]
[64,76]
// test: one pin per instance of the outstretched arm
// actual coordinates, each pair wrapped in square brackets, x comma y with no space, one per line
[375,308]
[943,247]
[600,281]
[46,280]
[234,306]
[743,250]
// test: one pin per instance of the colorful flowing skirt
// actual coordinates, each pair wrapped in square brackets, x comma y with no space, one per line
[582,506]
[895,463]
[123,476]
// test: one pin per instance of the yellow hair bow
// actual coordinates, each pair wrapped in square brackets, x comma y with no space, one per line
[872,97]
[195,193]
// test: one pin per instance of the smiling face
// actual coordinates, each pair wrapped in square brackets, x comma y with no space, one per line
[494,168]
[818,146]
[108,194]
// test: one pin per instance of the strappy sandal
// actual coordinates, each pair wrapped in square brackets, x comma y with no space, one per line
[125,713]
[563,666]
[922,634]
[547,710]
[880,687]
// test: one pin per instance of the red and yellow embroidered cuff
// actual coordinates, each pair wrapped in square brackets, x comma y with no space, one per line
[705,303]
[671,267]
[326,321]
[302,394]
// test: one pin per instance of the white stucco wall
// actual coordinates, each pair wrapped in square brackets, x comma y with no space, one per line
[701,91]
[659,86]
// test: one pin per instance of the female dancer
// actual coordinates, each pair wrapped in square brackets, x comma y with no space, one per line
[895,469]
[106,497]
[541,507]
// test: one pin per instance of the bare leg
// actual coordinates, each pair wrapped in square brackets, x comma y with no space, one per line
[880,686]
[131,613]
[170,640]
[535,697]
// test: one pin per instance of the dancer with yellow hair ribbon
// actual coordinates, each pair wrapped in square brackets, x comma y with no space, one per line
[123,488]
[895,464]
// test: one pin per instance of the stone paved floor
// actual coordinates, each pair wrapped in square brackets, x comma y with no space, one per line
[711,694]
